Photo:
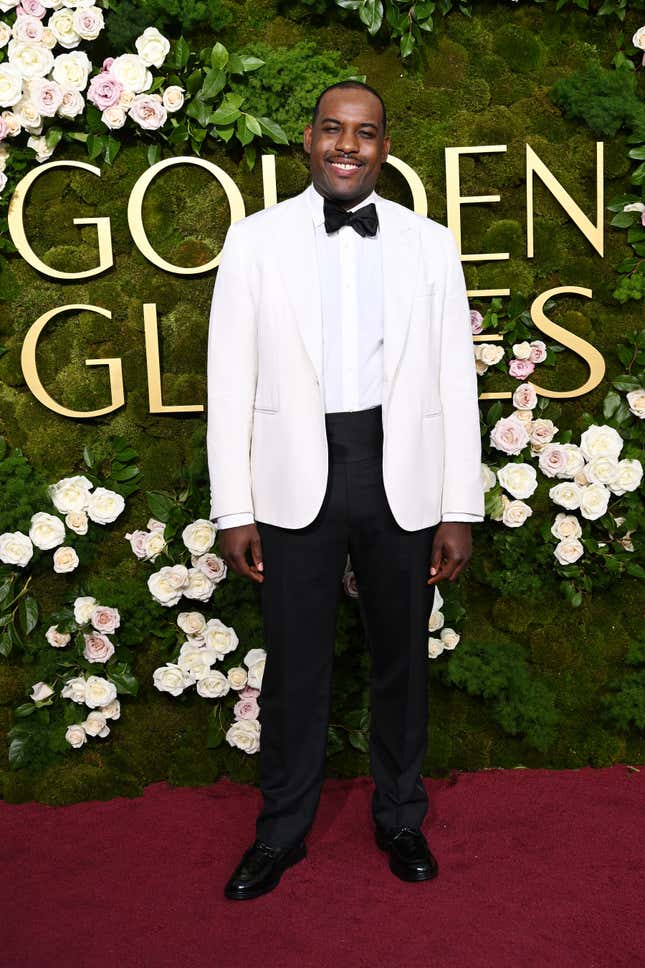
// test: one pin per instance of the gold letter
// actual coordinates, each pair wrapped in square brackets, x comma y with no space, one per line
[454,199]
[135,205]
[589,353]
[19,238]
[28,363]
[154,368]
[591,232]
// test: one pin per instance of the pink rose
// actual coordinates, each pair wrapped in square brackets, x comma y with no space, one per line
[148,112]
[211,565]
[104,90]
[520,368]
[98,647]
[553,460]
[47,97]
[138,542]
[476,320]
[107,63]
[105,619]
[643,212]
[525,397]
[4,128]
[509,435]
[538,351]
[249,693]
[246,708]
[33,8]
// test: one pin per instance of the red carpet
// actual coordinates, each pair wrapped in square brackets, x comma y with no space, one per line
[536,868]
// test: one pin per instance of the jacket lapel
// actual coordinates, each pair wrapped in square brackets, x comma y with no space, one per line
[300,281]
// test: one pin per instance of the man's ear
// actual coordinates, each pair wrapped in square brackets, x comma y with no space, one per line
[306,138]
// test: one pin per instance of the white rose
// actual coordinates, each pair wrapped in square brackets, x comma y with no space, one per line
[132,72]
[12,121]
[74,689]
[199,537]
[629,474]
[593,501]
[237,677]
[15,548]
[575,459]
[538,351]
[10,85]
[449,638]
[112,710]
[601,470]
[75,735]
[154,525]
[636,398]
[95,724]
[170,678]
[488,478]
[57,639]
[46,530]
[194,661]
[61,24]
[40,146]
[5,33]
[166,585]
[70,493]
[222,638]
[436,620]
[256,672]
[601,441]
[522,351]
[489,353]
[638,40]
[253,655]
[213,685]
[567,495]
[77,521]
[113,117]
[98,691]
[542,431]
[198,586]
[173,98]
[84,605]
[105,506]
[525,397]
[520,480]
[553,460]
[245,734]
[126,99]
[48,40]
[515,514]
[88,22]
[152,47]
[65,559]
[568,550]
[32,60]
[41,691]
[435,647]
[73,103]
[566,526]
[72,70]
[154,544]
[509,435]
[192,623]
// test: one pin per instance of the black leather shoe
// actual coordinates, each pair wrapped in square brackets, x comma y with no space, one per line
[410,857]
[261,868]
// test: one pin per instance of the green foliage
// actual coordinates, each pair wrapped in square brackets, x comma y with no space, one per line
[290,81]
[521,703]
[129,18]
[606,100]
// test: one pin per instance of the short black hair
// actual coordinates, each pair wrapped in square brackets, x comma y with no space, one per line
[350,83]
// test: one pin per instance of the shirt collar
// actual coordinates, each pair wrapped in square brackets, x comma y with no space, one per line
[316,202]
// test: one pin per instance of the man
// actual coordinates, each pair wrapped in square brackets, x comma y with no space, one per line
[342,418]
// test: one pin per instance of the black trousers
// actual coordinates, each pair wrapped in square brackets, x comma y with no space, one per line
[303,569]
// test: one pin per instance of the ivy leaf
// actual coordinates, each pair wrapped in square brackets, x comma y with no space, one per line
[273,130]
[226,114]
[250,63]
[610,404]
[199,110]
[214,82]
[160,504]
[219,56]
[252,124]
[359,741]
[28,614]
[123,679]
[181,52]
[371,14]
[153,155]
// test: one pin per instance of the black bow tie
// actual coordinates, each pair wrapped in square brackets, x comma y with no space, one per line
[364,220]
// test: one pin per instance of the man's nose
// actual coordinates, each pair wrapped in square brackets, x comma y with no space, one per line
[347,142]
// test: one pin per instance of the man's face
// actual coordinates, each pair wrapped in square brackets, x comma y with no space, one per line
[346,145]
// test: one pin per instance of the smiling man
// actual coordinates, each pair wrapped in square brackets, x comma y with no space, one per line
[342,419]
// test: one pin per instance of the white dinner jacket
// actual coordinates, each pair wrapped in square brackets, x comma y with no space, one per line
[266,436]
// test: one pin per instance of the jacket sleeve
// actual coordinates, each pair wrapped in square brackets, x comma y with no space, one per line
[463,490]
[231,379]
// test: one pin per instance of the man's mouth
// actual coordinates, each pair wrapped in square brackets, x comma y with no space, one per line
[344,165]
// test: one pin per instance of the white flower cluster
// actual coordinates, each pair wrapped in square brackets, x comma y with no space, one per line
[172,581]
[590,471]
[206,643]
[97,693]
[73,497]
[447,638]
[36,84]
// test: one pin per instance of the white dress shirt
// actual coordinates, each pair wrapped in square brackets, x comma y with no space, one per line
[351,293]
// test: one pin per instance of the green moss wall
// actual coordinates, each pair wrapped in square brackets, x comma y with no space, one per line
[486,81]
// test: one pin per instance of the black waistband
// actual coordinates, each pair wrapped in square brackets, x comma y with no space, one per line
[355,434]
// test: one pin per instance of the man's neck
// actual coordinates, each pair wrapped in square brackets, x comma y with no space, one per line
[345,203]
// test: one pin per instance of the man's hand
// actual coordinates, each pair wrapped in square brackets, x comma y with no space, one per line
[234,544]
[451,550]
